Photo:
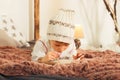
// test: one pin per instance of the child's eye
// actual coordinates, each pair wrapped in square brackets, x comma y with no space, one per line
[57,45]
[66,44]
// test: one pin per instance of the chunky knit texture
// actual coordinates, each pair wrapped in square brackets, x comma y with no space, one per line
[93,65]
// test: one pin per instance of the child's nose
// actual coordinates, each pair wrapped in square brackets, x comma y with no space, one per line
[61,49]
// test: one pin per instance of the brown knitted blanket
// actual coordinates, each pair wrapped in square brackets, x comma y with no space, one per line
[93,65]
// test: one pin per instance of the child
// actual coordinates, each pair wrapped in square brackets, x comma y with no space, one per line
[60,41]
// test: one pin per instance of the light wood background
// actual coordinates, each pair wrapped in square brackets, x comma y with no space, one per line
[36,19]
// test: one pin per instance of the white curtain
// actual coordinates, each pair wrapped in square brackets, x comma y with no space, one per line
[95,16]
[118,12]
[98,25]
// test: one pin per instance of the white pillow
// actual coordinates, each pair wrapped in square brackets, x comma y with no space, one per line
[7,24]
[6,40]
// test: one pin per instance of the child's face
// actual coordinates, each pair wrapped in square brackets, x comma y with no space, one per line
[58,46]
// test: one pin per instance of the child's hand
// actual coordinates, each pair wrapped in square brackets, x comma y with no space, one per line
[52,55]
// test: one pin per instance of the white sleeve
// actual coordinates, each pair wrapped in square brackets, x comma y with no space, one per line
[73,51]
[38,51]
[70,51]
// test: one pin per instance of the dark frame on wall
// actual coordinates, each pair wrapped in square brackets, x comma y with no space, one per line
[36,20]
